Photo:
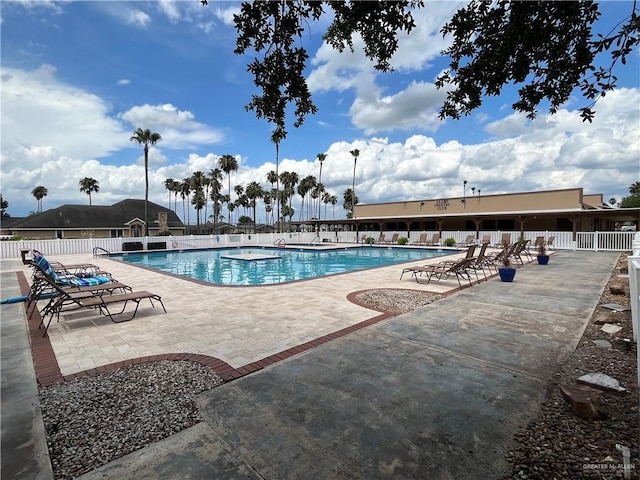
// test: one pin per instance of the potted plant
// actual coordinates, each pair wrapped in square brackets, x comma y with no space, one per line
[542,256]
[403,241]
[450,242]
[506,272]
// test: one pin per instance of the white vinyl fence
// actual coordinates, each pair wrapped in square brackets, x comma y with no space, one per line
[593,241]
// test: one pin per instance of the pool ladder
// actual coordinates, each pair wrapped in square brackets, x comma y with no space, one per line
[280,243]
[100,251]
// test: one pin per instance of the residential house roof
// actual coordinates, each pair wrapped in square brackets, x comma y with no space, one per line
[114,216]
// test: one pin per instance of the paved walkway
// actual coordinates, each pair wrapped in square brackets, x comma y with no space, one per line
[435,393]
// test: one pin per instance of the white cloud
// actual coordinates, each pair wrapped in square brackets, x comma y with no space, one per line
[170,9]
[123,81]
[178,128]
[413,108]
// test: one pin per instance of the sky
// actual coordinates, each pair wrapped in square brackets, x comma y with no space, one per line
[78,78]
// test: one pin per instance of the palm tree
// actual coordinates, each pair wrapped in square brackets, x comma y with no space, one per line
[304,187]
[356,153]
[350,200]
[168,184]
[254,191]
[88,185]
[199,199]
[146,137]
[277,136]
[272,178]
[321,158]
[333,200]
[634,189]
[215,182]
[185,191]
[39,192]
[228,164]
[3,207]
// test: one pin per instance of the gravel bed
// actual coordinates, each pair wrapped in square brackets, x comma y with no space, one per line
[396,300]
[96,419]
[557,444]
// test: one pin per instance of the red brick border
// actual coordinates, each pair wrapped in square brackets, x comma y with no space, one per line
[48,371]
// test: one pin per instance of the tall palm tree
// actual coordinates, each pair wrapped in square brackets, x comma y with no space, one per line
[356,153]
[350,200]
[146,137]
[215,182]
[168,184]
[39,192]
[228,164]
[304,187]
[185,191]
[272,178]
[253,192]
[277,136]
[634,189]
[197,184]
[333,200]
[88,185]
[321,158]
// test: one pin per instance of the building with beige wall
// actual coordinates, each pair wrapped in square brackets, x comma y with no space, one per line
[554,210]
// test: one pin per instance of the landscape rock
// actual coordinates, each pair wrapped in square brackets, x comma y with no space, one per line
[601,380]
[611,328]
[584,400]
[602,343]
[617,290]
[615,307]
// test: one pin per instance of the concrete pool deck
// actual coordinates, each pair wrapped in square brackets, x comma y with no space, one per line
[435,392]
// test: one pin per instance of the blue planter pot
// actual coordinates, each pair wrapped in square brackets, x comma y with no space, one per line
[507,274]
[543,259]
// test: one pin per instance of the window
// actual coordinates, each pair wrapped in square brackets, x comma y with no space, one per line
[116,233]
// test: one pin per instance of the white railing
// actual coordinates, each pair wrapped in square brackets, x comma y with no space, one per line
[633,262]
[594,241]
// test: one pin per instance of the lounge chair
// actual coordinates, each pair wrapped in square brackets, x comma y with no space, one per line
[422,240]
[550,245]
[435,240]
[380,239]
[63,278]
[66,300]
[479,262]
[506,240]
[459,269]
[470,240]
[394,239]
[81,270]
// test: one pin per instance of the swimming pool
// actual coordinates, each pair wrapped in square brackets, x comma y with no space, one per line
[288,265]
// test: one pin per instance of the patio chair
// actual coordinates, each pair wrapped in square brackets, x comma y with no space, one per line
[459,269]
[470,240]
[380,239]
[506,239]
[394,239]
[435,240]
[67,300]
[422,240]
[550,240]
[81,270]
[479,262]
[62,276]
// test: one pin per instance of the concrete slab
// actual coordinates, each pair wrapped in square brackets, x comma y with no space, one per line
[24,446]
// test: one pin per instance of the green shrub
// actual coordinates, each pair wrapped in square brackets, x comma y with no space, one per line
[403,241]
[370,240]
[450,242]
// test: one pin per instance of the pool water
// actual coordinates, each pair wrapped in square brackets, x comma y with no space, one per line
[290,264]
